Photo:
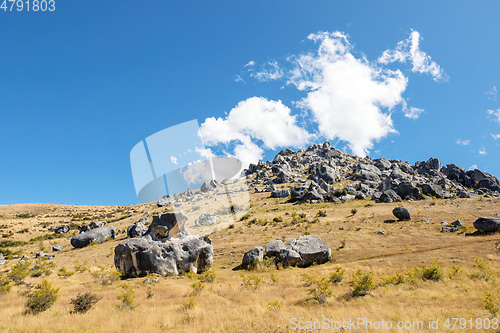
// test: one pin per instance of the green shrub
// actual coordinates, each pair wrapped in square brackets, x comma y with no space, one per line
[63,272]
[127,298]
[395,279]
[490,304]
[4,284]
[84,302]
[338,275]
[361,283]
[197,288]
[433,273]
[208,276]
[42,298]
[19,272]
[319,287]
[252,281]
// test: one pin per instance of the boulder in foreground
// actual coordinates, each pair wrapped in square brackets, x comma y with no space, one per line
[487,224]
[138,256]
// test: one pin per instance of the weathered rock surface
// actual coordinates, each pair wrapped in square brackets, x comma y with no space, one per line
[311,249]
[274,247]
[487,224]
[97,224]
[95,235]
[137,229]
[254,255]
[62,229]
[402,213]
[289,257]
[166,225]
[137,256]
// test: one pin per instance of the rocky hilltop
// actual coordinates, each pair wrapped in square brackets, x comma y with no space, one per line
[322,173]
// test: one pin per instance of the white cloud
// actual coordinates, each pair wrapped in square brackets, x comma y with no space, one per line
[173,159]
[495,136]
[411,112]
[269,72]
[250,63]
[463,142]
[409,49]
[350,98]
[482,151]
[495,114]
[238,78]
[255,118]
[492,94]
[473,167]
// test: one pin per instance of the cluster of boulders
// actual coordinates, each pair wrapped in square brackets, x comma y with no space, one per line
[302,252]
[311,176]
[62,229]
[165,248]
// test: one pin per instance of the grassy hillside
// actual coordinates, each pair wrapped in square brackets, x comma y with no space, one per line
[461,270]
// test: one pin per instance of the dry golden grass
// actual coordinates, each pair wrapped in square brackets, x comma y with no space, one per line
[227,305]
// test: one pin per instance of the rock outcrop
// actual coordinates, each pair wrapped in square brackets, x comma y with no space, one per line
[95,235]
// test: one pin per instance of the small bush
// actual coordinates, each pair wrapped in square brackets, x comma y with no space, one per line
[278,219]
[189,305]
[490,304]
[252,281]
[433,273]
[4,284]
[63,272]
[354,211]
[321,213]
[361,283]
[42,298]
[127,298]
[338,275]
[208,276]
[84,302]
[275,306]
[19,272]
[395,279]
[197,288]
[319,287]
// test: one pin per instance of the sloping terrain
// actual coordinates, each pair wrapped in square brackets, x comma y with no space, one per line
[460,278]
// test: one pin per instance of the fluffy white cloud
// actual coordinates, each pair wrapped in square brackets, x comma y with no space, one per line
[409,49]
[256,118]
[350,98]
[495,136]
[482,151]
[173,160]
[495,114]
[463,142]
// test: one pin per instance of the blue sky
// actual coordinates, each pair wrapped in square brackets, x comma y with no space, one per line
[82,85]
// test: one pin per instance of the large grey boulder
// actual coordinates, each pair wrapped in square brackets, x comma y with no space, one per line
[487,224]
[274,247]
[311,249]
[288,257]
[254,255]
[138,256]
[83,228]
[402,213]
[432,190]
[95,235]
[165,201]
[137,229]
[326,173]
[389,196]
[407,190]
[383,164]
[280,193]
[453,172]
